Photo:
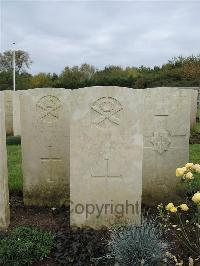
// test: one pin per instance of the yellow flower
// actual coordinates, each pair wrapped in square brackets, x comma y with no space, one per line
[189,176]
[184,207]
[169,206]
[189,165]
[180,172]
[184,169]
[196,167]
[173,209]
[196,198]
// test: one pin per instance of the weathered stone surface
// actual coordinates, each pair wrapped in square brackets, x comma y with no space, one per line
[16,112]
[4,194]
[8,98]
[195,93]
[106,150]
[166,142]
[45,114]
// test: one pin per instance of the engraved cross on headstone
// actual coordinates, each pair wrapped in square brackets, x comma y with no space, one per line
[50,160]
[160,138]
[106,172]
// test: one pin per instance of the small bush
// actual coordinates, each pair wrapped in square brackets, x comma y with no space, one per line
[138,245]
[13,140]
[25,245]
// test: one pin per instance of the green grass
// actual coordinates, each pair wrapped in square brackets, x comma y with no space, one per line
[15,171]
[195,153]
[197,128]
[14,167]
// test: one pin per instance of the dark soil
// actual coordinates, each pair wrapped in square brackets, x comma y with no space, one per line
[75,246]
[45,218]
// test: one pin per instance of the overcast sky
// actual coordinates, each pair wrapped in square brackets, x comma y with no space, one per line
[126,33]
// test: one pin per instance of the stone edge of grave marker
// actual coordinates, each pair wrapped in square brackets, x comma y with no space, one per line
[16,112]
[8,97]
[193,114]
[5,211]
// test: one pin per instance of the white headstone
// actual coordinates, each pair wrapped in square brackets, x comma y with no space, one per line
[8,98]
[4,194]
[194,104]
[106,150]
[166,142]
[45,115]
[16,112]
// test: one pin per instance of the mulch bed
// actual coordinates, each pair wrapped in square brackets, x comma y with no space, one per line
[74,246]
[77,247]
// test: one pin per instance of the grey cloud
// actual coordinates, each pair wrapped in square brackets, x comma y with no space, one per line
[60,33]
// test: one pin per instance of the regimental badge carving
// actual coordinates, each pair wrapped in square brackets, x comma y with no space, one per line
[161,141]
[106,111]
[48,108]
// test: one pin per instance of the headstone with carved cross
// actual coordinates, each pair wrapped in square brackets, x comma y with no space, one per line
[45,115]
[4,194]
[166,142]
[106,146]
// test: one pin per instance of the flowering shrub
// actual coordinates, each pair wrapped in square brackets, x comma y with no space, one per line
[184,219]
[190,176]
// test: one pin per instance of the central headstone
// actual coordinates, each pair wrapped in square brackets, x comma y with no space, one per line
[45,114]
[4,194]
[106,150]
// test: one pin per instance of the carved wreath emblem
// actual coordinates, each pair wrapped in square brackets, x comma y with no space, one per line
[106,111]
[161,141]
[48,108]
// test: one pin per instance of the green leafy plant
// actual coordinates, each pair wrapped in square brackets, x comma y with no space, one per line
[25,245]
[138,245]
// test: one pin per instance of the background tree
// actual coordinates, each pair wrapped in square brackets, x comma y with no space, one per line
[22,61]
[177,72]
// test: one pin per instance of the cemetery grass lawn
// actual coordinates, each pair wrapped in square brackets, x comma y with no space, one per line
[197,128]
[195,153]
[14,168]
